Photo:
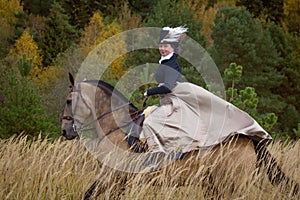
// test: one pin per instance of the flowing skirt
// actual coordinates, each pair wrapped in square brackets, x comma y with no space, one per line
[192,118]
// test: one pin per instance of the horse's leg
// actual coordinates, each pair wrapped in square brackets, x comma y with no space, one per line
[89,193]
[232,163]
[274,172]
[110,183]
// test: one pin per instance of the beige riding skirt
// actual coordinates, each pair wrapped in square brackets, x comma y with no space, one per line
[191,117]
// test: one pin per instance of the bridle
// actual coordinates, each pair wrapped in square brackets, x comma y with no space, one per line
[84,126]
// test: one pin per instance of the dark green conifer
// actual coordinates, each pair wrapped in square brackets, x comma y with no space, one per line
[58,35]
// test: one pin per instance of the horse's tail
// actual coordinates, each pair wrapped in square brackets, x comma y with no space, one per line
[275,174]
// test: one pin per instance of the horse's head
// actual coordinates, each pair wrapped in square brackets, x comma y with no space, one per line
[76,111]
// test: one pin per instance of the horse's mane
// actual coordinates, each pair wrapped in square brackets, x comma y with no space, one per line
[109,89]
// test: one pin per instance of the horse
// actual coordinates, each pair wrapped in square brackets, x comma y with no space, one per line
[110,112]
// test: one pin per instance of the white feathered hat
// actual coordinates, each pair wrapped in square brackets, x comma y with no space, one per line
[172,35]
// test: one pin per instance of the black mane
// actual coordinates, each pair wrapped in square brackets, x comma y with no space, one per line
[109,89]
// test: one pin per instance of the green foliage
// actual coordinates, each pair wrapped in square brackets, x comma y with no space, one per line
[234,35]
[288,120]
[19,26]
[21,108]
[59,34]
[37,7]
[271,10]
[297,131]
[106,7]
[233,73]
[146,77]
[247,99]
[264,55]
[22,112]
[79,12]
[142,7]
[142,81]
[25,65]
[178,15]
[8,11]
[244,99]
[292,17]
[268,121]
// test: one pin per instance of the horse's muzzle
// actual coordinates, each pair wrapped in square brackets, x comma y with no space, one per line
[69,133]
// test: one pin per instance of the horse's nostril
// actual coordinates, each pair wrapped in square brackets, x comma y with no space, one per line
[64,132]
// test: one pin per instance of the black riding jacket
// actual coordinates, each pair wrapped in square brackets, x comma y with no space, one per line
[167,74]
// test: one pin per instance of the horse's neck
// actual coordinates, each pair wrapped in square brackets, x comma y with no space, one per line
[114,117]
[115,122]
[112,125]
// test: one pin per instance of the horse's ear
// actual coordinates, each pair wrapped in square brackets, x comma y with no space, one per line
[71,79]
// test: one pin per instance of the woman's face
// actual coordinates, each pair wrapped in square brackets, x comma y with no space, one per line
[165,49]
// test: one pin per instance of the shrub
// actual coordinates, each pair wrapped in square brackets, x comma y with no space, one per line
[23,112]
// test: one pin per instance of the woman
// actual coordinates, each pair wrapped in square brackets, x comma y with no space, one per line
[188,116]
[169,71]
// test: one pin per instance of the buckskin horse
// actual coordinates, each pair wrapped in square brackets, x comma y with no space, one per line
[100,104]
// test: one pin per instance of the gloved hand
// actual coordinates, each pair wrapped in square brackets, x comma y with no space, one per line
[145,94]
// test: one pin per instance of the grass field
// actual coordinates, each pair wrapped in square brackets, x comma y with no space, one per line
[65,170]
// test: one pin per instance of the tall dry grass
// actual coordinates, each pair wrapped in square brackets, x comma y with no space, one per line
[65,170]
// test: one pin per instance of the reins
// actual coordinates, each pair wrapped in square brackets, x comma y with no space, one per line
[119,108]
[84,126]
[135,114]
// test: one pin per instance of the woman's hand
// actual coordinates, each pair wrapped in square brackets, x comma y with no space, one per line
[145,94]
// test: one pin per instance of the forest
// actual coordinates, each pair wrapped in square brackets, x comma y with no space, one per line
[255,45]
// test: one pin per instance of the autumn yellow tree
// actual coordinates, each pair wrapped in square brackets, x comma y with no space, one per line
[292,16]
[8,9]
[97,32]
[202,10]
[25,45]
[128,19]
[26,50]
[92,32]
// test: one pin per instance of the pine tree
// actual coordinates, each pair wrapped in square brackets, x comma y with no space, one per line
[20,25]
[289,89]
[247,99]
[267,76]
[269,10]
[26,46]
[37,7]
[142,7]
[234,36]
[239,38]
[79,12]
[59,34]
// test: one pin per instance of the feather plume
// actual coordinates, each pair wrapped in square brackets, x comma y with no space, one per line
[174,34]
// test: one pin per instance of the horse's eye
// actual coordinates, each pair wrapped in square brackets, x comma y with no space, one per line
[69,101]
[68,118]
